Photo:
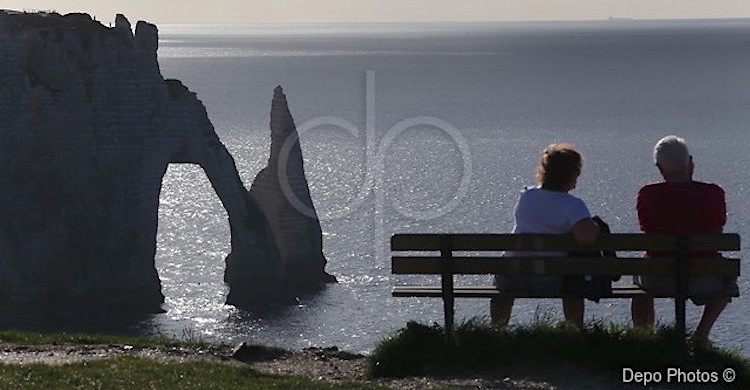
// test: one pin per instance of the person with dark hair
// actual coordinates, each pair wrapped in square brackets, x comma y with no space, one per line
[680,205]
[548,208]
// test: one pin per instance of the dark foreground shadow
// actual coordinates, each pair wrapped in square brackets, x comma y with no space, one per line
[95,317]
[76,318]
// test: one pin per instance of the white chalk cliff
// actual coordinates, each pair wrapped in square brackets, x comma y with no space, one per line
[88,126]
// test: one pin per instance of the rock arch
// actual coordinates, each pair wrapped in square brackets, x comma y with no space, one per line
[88,127]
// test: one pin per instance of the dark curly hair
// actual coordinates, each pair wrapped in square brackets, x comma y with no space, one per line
[559,165]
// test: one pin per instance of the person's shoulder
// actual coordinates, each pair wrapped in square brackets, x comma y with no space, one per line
[709,187]
[538,196]
[573,198]
[570,200]
[527,194]
[530,191]
[549,195]
[651,187]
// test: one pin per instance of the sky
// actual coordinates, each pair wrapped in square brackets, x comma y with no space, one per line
[326,11]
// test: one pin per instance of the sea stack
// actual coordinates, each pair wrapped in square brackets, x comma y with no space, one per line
[88,126]
[281,191]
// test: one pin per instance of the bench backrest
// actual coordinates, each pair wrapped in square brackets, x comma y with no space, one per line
[447,244]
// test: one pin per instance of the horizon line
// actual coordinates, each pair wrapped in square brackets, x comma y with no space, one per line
[611,18]
[614,20]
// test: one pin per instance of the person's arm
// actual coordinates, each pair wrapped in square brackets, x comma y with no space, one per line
[643,209]
[586,231]
[721,209]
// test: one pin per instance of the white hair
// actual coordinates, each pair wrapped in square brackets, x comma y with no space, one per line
[671,153]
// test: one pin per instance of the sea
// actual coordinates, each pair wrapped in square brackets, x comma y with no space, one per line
[437,127]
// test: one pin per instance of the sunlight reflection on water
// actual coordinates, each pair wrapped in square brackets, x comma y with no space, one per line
[611,94]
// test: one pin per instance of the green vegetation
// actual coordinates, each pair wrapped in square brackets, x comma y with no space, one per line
[139,373]
[129,372]
[420,349]
[30,338]
[188,341]
[414,350]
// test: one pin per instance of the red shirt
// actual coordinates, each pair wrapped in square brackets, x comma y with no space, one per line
[682,208]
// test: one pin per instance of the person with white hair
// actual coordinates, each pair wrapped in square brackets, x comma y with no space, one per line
[680,205]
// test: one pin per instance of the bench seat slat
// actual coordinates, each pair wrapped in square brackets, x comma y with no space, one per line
[618,291]
[418,265]
[538,242]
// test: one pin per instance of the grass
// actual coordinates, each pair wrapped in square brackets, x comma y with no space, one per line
[421,349]
[188,341]
[128,372]
[31,338]
[140,373]
[414,350]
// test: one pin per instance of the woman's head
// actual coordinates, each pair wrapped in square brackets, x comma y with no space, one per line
[559,167]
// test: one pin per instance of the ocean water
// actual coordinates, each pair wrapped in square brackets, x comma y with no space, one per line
[436,128]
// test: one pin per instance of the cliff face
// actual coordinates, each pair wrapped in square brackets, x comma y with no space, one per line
[87,128]
[281,191]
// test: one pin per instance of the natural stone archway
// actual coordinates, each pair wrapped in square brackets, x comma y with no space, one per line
[253,266]
[88,126]
[192,243]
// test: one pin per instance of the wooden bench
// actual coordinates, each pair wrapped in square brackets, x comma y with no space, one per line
[409,258]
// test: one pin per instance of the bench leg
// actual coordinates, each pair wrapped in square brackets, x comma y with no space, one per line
[682,286]
[448,314]
[679,319]
[573,308]
[642,312]
[446,257]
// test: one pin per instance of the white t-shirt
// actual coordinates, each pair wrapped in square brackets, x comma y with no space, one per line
[544,211]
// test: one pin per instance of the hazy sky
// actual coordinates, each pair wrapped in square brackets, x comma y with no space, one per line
[293,11]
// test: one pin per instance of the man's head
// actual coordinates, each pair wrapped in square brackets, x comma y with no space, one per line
[673,159]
